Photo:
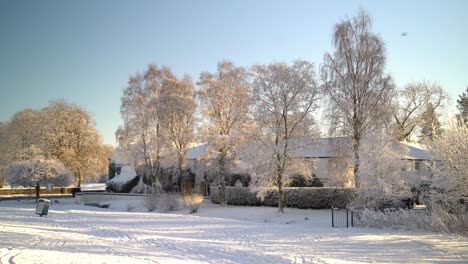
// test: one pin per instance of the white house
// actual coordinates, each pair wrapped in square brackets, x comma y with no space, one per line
[325,157]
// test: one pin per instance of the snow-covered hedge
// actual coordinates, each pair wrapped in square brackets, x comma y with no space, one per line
[242,196]
[297,197]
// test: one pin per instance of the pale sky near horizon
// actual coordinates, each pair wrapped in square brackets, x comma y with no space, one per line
[84,51]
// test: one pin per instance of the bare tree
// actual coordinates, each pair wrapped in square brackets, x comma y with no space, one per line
[450,178]
[225,101]
[410,105]
[284,97]
[68,135]
[462,105]
[176,108]
[141,118]
[354,80]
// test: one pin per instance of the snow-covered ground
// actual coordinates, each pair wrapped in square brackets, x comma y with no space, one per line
[74,233]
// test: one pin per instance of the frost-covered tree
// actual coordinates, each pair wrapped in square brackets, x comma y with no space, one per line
[354,80]
[60,131]
[176,108]
[21,133]
[38,172]
[384,183]
[450,151]
[411,104]
[68,135]
[462,105]
[450,177]
[284,97]
[225,99]
[142,124]
[430,125]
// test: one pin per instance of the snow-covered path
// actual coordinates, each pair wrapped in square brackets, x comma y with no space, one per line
[80,234]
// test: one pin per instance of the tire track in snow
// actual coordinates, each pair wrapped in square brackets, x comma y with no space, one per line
[8,256]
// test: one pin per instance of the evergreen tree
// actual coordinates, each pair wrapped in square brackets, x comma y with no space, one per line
[462,105]
[430,125]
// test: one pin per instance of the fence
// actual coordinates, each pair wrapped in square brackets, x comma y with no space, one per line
[343,217]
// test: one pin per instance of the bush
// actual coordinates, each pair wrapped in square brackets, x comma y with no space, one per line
[122,187]
[193,201]
[242,196]
[168,202]
[162,203]
[298,180]
[233,177]
[305,197]
[214,194]
[151,202]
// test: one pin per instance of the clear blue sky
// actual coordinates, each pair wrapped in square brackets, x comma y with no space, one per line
[84,51]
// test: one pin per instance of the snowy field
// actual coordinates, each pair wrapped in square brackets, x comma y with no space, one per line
[74,233]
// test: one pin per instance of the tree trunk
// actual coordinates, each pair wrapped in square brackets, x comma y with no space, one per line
[79,177]
[183,188]
[155,175]
[221,180]
[280,192]
[356,145]
[38,189]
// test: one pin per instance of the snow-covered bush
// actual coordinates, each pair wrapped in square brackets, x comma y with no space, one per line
[449,193]
[193,201]
[384,184]
[39,172]
[151,202]
[242,196]
[125,181]
[397,218]
[299,180]
[303,197]
[169,202]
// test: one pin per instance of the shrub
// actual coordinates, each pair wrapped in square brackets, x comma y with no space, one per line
[122,187]
[305,197]
[233,177]
[298,180]
[214,194]
[151,202]
[169,202]
[242,196]
[193,201]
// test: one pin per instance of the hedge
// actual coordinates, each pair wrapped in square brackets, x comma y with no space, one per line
[296,197]
[32,191]
[122,187]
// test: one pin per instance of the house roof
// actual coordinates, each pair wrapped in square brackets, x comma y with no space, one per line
[319,148]
[195,152]
[416,151]
[326,148]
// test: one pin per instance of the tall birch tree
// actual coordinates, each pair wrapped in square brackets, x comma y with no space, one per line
[354,80]
[141,117]
[225,102]
[176,108]
[284,97]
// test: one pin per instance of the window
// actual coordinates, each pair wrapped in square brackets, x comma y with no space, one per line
[417,166]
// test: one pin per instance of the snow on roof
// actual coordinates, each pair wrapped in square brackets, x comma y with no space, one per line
[319,148]
[127,174]
[326,148]
[195,152]
[416,151]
